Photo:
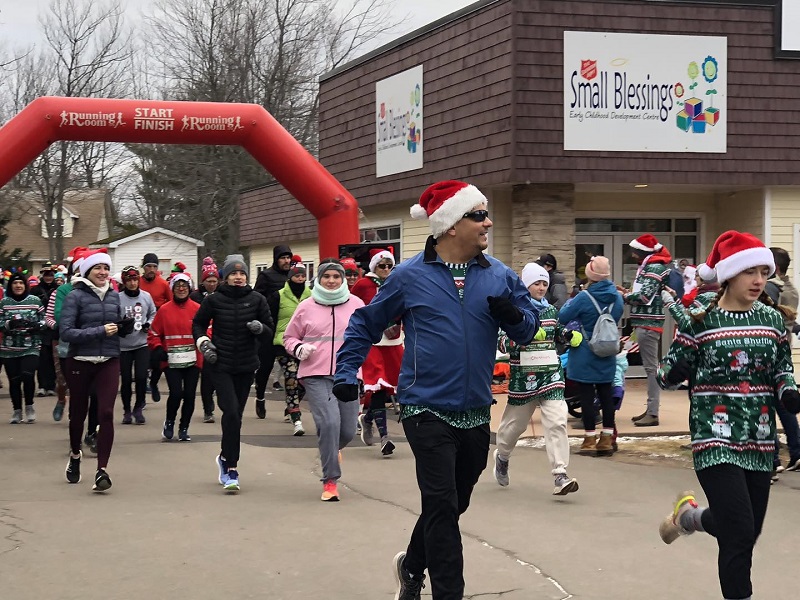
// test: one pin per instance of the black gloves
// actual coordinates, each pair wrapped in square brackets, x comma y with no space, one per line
[504,310]
[346,392]
[791,401]
[159,354]
[125,326]
[209,351]
[679,372]
[145,326]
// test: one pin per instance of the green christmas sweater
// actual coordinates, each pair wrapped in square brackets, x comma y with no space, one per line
[21,321]
[741,363]
[683,315]
[536,372]
[647,309]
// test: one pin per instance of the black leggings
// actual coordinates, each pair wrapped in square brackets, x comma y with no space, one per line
[20,371]
[586,391]
[737,505]
[138,360]
[207,390]
[232,392]
[182,386]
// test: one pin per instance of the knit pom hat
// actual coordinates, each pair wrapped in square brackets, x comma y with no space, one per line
[233,262]
[735,251]
[533,272]
[598,268]
[129,272]
[376,255]
[209,269]
[350,265]
[646,243]
[445,203]
[33,281]
[93,258]
[297,267]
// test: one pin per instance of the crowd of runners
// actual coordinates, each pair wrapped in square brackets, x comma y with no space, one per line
[420,337]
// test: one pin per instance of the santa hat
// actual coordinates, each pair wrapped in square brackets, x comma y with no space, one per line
[533,272]
[92,258]
[646,243]
[33,280]
[689,271]
[735,251]
[706,273]
[180,277]
[445,203]
[376,255]
[76,256]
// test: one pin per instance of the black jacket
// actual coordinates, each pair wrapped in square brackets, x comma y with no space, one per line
[231,308]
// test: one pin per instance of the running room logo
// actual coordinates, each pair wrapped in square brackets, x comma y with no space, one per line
[99,119]
[211,123]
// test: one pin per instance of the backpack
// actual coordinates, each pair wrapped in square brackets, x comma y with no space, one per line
[605,336]
[675,282]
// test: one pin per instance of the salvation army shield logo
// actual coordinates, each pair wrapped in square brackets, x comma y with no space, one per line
[589,69]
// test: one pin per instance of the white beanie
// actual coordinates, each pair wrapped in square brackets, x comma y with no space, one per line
[533,272]
[445,203]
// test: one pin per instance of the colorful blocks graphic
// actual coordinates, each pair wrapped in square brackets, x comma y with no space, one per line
[699,124]
[693,107]
[712,116]
[683,121]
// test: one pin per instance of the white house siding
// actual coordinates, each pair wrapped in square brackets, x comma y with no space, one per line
[168,249]
[783,215]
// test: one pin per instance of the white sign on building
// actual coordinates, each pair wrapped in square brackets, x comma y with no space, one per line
[398,123]
[645,93]
[790,25]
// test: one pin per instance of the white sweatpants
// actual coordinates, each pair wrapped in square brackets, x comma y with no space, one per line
[554,420]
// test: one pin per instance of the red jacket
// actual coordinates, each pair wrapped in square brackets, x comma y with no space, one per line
[158,289]
[172,331]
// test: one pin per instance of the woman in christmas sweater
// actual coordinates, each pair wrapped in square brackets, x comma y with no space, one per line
[737,359]
[537,379]
[171,343]
[695,298]
[21,321]
[381,369]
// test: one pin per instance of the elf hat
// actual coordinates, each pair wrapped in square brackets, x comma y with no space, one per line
[376,255]
[646,243]
[533,272]
[735,251]
[445,203]
[350,265]
[93,258]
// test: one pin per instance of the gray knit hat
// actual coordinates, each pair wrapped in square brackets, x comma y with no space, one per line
[330,266]
[234,262]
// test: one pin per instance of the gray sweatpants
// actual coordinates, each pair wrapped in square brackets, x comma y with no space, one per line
[649,348]
[335,421]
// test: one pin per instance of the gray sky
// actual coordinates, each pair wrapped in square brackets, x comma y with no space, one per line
[19,25]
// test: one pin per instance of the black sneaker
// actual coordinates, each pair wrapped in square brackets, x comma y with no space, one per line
[101,481]
[183,435]
[409,587]
[91,442]
[168,431]
[261,408]
[74,468]
[155,393]
[277,386]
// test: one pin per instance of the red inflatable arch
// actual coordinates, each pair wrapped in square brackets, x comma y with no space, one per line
[51,119]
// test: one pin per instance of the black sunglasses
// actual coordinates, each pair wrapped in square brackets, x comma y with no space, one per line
[384,267]
[479,216]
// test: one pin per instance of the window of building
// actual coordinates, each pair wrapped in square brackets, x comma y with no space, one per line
[372,235]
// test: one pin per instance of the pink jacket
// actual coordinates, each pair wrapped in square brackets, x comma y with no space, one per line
[320,325]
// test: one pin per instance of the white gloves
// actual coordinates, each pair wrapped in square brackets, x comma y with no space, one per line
[303,351]
[667,298]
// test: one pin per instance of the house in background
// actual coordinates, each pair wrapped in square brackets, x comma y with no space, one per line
[87,216]
[129,248]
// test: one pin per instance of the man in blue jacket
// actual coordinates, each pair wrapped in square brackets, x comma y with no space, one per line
[451,300]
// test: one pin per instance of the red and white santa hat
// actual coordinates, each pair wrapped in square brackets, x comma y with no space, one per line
[376,255]
[734,252]
[646,243]
[445,203]
[706,273]
[186,277]
[92,258]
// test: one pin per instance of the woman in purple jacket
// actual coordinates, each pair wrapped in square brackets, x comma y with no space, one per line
[313,336]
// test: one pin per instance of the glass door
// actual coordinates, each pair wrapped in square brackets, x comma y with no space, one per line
[588,246]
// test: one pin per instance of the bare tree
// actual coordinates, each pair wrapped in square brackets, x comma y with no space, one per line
[254,51]
[86,50]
